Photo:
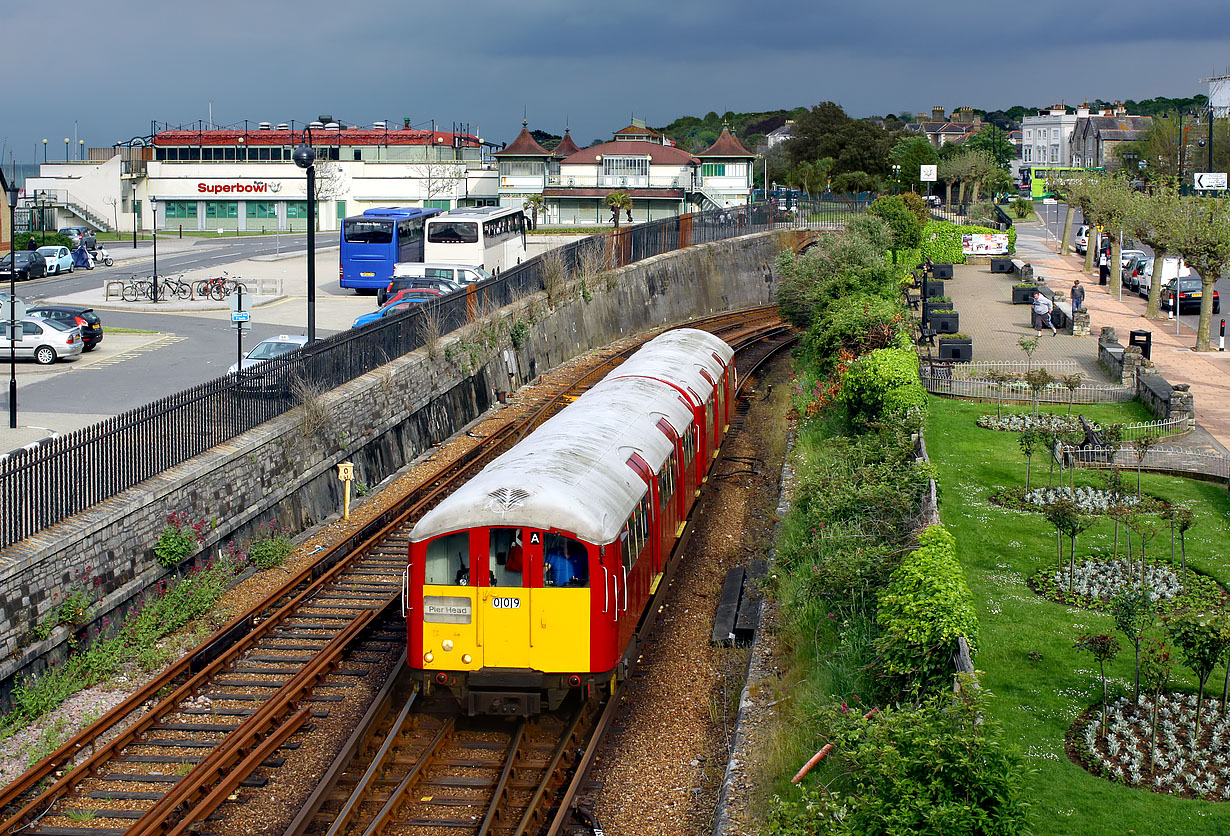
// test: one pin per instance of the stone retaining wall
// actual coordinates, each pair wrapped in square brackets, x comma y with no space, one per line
[284,470]
[1128,366]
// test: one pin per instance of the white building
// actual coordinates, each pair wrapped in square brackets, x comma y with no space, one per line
[1046,137]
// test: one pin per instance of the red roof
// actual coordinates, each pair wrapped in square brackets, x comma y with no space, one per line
[726,146]
[320,136]
[566,146]
[637,130]
[524,146]
[644,193]
[658,154]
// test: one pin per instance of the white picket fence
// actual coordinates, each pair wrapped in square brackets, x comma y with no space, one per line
[1167,459]
[1018,392]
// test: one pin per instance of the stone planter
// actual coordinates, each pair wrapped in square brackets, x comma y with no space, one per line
[1001,265]
[1023,295]
[961,350]
[930,308]
[941,271]
[945,322]
[932,288]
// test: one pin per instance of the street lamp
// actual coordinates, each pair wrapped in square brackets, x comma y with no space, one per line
[65,149]
[12,309]
[305,158]
[80,150]
[134,214]
[44,150]
[153,211]
[897,176]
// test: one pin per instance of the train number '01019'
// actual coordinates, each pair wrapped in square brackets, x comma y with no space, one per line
[506,603]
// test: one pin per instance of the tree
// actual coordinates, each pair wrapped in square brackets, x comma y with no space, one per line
[1141,447]
[952,170]
[1153,218]
[1104,648]
[1071,382]
[1182,518]
[1155,668]
[856,145]
[999,378]
[993,143]
[1203,237]
[440,178]
[1028,441]
[1201,641]
[813,177]
[853,182]
[980,168]
[912,153]
[329,183]
[1037,379]
[1134,613]
[535,203]
[906,227]
[1029,345]
[618,202]
[1110,206]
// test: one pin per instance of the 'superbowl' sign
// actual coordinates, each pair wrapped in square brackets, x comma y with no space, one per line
[257,187]
[984,243]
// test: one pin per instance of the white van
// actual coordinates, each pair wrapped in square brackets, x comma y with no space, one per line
[461,274]
[1173,267]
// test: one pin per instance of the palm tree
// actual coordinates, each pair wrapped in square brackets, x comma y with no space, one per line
[619,202]
[535,203]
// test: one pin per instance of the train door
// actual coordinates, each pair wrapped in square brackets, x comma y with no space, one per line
[444,622]
[560,605]
[512,556]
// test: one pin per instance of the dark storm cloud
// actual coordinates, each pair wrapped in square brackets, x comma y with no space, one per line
[594,65]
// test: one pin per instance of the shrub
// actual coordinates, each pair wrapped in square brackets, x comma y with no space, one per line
[858,324]
[270,549]
[835,267]
[884,386]
[905,225]
[941,241]
[925,608]
[917,205]
[1022,208]
[179,540]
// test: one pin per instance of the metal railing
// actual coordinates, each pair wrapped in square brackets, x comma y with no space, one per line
[72,472]
[1166,459]
[1156,429]
[980,368]
[937,383]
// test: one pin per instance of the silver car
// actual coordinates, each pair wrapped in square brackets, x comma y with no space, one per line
[45,340]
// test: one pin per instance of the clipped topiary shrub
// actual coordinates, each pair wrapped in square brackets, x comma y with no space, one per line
[941,241]
[883,386]
[925,608]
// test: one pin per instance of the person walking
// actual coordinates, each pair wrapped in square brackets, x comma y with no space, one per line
[1078,295]
[1042,314]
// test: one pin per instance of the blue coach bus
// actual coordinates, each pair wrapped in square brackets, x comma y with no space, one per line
[373,242]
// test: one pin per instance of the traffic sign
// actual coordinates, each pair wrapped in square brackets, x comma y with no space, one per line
[240,316]
[1210,180]
[1049,201]
[240,302]
[927,173]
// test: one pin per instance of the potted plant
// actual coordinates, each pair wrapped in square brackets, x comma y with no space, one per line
[958,347]
[1023,293]
[932,289]
[945,322]
[936,303]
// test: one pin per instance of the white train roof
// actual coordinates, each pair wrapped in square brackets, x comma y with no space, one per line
[572,472]
[678,357]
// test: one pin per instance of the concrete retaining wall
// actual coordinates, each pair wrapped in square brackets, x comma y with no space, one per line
[284,470]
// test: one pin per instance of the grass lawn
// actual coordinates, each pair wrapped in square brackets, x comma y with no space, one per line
[1037,701]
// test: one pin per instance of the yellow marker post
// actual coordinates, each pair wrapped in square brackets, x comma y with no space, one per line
[345,473]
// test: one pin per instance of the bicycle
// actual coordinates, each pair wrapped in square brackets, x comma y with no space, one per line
[175,286]
[219,287]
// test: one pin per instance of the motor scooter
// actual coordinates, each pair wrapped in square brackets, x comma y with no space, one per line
[101,256]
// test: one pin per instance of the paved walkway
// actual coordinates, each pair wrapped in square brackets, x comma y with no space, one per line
[984,301]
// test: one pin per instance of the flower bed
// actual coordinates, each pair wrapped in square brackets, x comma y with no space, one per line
[1183,764]
[1019,423]
[1097,581]
[1087,500]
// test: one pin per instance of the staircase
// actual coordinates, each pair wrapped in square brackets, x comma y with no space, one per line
[714,203]
[96,221]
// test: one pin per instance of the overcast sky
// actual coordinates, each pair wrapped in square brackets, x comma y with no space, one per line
[112,68]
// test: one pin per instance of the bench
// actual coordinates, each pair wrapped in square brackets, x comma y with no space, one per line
[1061,315]
[926,335]
[1094,440]
[911,299]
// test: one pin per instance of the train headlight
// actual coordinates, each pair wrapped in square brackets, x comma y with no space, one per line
[466,659]
[429,656]
[447,644]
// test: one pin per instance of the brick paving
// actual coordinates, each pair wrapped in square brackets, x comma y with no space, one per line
[984,301]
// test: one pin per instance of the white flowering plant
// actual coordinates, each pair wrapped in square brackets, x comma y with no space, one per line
[1045,422]
[1094,583]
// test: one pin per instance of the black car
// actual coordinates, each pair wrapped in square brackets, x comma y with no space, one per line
[73,316]
[30,265]
[1190,292]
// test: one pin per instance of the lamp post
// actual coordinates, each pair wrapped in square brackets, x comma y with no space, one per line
[65,149]
[80,150]
[12,308]
[44,150]
[153,210]
[134,214]
[305,158]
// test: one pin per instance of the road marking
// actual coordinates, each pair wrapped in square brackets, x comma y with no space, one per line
[162,342]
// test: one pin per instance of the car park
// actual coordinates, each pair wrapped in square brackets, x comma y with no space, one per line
[1191,291]
[43,340]
[30,265]
[74,316]
[77,234]
[406,272]
[270,348]
[59,259]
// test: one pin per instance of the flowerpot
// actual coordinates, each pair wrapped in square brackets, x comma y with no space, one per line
[961,350]
[945,322]
[1023,295]
[932,288]
[941,271]
[929,308]
[1001,265]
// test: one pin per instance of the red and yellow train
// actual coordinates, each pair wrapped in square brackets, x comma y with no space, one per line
[528,582]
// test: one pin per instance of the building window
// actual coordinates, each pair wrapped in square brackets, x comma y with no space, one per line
[296,209]
[262,209]
[1054,153]
[1054,133]
[713,170]
[1029,154]
[520,169]
[437,204]
[222,209]
[180,208]
[341,210]
[1029,134]
[625,166]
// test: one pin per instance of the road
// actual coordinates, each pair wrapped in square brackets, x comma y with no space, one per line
[1053,217]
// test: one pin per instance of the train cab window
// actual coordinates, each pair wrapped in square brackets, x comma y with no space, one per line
[505,557]
[448,560]
[565,562]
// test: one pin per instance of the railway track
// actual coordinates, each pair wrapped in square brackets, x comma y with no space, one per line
[219,717]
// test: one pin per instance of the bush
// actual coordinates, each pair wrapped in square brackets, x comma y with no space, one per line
[1023,208]
[925,608]
[883,386]
[857,324]
[270,549]
[905,225]
[917,205]
[50,239]
[836,267]
[941,241]
[179,540]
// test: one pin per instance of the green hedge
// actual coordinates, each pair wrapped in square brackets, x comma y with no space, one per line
[925,608]
[941,241]
[884,386]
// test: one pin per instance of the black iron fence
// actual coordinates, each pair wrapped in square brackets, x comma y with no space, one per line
[70,473]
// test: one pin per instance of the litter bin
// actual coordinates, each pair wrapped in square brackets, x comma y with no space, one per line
[1143,340]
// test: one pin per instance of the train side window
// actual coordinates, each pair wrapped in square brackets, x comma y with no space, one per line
[625,545]
[505,557]
[565,561]
[448,560]
[689,445]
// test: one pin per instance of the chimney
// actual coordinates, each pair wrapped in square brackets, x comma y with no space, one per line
[1083,110]
[1119,109]
[937,114]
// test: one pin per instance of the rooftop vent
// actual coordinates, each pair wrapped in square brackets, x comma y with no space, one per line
[333,126]
[264,126]
[282,126]
[380,125]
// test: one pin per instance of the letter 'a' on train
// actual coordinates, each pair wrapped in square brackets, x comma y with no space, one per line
[527,584]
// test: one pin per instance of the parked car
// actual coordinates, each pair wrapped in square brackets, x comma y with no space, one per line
[73,316]
[1173,267]
[59,259]
[1081,241]
[406,272]
[30,265]
[401,295]
[270,348]
[1133,274]
[77,233]
[45,340]
[1191,290]
[1127,255]
[403,300]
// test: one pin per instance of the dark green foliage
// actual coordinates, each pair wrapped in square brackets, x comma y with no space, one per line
[856,325]
[856,145]
[925,608]
[941,241]
[918,206]
[883,386]
[906,226]
[936,769]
